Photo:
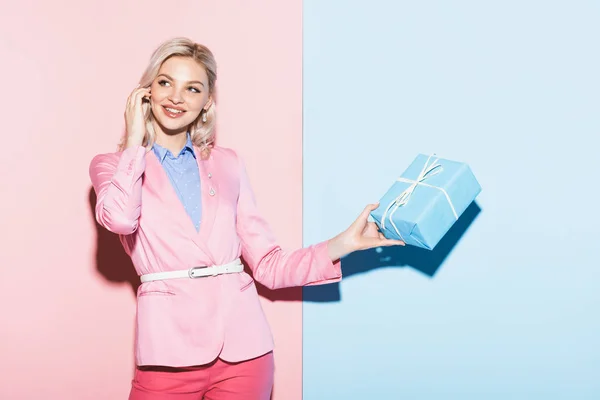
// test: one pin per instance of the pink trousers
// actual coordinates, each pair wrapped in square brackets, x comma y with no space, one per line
[248,380]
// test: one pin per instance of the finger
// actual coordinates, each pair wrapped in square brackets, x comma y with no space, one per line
[392,242]
[381,240]
[375,242]
[142,91]
[139,95]
[131,97]
[371,207]
[373,226]
[366,211]
[137,99]
[369,229]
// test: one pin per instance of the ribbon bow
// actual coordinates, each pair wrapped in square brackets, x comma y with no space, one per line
[427,172]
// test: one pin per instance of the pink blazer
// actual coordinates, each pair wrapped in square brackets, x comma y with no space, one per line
[183,322]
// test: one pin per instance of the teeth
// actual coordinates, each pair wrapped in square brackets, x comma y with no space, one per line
[172,110]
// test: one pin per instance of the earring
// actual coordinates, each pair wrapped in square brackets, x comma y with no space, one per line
[204,116]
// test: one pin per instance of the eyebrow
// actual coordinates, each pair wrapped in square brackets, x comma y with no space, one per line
[168,77]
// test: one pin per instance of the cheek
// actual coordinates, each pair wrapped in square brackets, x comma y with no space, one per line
[192,115]
[158,94]
[195,102]
[155,104]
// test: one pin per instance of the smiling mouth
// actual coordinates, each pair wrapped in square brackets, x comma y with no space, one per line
[173,112]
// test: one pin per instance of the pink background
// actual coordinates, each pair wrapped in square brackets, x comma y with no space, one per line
[67,304]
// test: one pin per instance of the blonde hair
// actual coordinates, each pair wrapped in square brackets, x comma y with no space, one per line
[202,133]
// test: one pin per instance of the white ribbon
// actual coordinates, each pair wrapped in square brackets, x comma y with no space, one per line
[427,172]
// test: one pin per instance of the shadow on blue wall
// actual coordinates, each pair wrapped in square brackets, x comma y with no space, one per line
[426,261]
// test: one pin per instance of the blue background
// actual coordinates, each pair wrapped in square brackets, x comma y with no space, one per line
[507,306]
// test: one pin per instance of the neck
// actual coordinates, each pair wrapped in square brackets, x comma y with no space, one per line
[173,142]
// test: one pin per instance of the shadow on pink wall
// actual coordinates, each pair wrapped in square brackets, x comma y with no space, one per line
[111,260]
[115,265]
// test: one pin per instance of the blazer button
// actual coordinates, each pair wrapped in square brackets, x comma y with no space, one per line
[212,192]
[209,175]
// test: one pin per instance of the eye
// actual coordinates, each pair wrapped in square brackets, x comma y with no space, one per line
[163,82]
[194,89]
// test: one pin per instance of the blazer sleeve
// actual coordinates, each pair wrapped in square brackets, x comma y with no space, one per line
[117,181]
[270,265]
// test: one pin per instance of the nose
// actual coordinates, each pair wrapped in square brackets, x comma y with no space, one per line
[175,97]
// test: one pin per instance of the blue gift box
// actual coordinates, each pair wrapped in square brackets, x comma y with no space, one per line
[426,200]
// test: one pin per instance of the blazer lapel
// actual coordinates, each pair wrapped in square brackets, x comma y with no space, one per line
[210,200]
[164,189]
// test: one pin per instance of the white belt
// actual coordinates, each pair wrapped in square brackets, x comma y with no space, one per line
[195,272]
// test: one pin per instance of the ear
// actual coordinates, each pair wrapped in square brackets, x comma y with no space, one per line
[208,103]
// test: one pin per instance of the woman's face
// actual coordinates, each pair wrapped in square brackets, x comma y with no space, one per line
[178,94]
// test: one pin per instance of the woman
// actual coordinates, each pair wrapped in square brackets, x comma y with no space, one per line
[185,214]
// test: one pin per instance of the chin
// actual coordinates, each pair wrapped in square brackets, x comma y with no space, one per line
[173,126]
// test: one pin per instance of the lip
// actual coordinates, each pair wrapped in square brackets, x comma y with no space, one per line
[173,115]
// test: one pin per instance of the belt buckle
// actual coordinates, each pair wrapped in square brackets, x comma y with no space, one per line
[191,271]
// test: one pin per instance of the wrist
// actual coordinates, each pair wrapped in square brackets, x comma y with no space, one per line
[338,247]
[133,141]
